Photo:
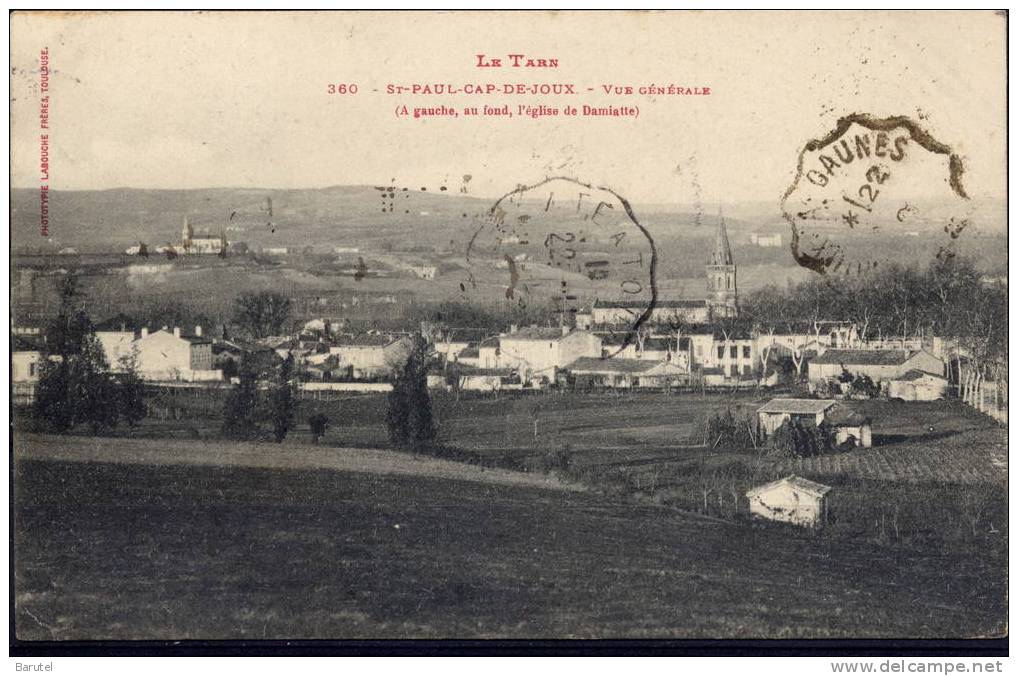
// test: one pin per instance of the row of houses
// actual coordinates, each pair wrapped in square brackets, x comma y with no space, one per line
[541,352]
[703,354]
[537,356]
[165,354]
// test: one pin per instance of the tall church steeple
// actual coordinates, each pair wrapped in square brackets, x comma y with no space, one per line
[187,233]
[722,289]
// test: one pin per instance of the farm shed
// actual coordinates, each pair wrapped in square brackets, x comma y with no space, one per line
[792,500]
[487,380]
[625,373]
[850,426]
[776,412]
[918,385]
[879,365]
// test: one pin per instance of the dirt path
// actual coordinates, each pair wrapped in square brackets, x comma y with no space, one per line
[284,456]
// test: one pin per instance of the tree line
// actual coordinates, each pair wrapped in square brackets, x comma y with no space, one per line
[948,298]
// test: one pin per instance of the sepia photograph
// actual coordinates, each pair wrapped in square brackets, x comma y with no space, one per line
[564,326]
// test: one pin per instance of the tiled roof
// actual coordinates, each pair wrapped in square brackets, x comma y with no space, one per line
[916,374]
[464,334]
[653,344]
[797,406]
[362,340]
[797,482]
[189,337]
[535,333]
[27,343]
[864,357]
[235,346]
[643,304]
[842,415]
[479,371]
[610,365]
[659,344]
[120,322]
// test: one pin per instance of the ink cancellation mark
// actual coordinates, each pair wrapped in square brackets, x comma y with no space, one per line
[872,175]
[566,243]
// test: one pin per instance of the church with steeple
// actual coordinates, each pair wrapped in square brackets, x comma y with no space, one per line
[722,298]
[203,243]
[722,287]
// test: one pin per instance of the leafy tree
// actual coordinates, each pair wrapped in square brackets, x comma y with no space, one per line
[75,384]
[319,422]
[262,314]
[864,386]
[948,298]
[408,416]
[52,404]
[282,405]
[240,410]
[230,369]
[726,430]
[131,391]
[824,389]
[95,392]
[796,439]
[65,334]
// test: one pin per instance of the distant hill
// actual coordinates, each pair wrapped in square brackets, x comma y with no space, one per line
[411,219]
[112,220]
[334,216]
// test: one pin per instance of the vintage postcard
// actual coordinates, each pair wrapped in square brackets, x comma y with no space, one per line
[503,325]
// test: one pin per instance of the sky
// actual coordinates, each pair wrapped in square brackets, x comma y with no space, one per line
[193,100]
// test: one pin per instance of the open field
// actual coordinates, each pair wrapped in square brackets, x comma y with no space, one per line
[51,447]
[506,423]
[648,431]
[177,551]
[967,457]
[914,488]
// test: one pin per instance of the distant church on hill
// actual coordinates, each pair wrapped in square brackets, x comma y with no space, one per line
[203,243]
[722,295]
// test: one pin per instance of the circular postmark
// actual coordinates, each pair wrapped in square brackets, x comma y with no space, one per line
[873,176]
[566,244]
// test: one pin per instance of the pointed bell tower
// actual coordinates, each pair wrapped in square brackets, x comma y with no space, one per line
[722,290]
[187,232]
